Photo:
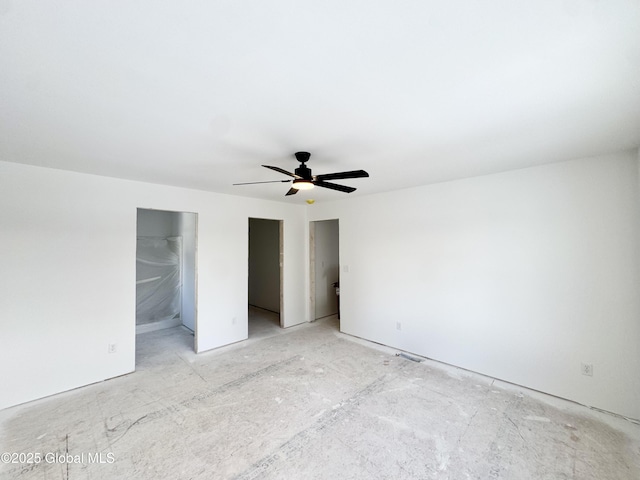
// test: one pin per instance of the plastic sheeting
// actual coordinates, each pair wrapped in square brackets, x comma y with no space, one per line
[158,279]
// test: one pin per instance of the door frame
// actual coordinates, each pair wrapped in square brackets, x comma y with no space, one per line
[182,274]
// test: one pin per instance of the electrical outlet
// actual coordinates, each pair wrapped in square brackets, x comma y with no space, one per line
[587,369]
[398,326]
[112,348]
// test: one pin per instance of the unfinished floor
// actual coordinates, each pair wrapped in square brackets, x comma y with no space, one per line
[310,402]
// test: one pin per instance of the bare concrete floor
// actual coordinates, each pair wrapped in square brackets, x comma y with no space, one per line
[309,403]
[263,323]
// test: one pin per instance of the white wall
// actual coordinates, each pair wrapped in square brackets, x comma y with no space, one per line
[327,267]
[264,264]
[522,275]
[67,283]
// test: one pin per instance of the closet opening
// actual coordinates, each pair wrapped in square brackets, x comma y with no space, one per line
[166,275]
[324,269]
[265,297]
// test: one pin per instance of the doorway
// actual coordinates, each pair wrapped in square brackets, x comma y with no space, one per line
[324,268]
[166,273]
[265,277]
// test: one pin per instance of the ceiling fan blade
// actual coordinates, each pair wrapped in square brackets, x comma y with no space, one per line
[270,181]
[280,170]
[334,186]
[292,191]
[343,175]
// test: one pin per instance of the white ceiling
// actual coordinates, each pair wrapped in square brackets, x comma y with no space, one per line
[200,93]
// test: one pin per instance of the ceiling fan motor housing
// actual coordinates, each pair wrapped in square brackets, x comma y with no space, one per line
[304,172]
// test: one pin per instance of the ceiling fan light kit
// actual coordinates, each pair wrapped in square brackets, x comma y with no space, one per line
[302,184]
[303,179]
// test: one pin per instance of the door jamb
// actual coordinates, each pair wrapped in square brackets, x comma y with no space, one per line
[312,271]
[281,265]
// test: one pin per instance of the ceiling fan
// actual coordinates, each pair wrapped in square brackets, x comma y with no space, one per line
[304,180]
